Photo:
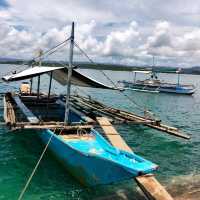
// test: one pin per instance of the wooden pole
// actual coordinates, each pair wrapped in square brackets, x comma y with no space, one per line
[49,92]
[66,120]
[38,87]
[40,64]
[31,85]
[50,83]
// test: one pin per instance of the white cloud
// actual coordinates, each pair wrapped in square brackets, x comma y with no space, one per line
[127,31]
[121,43]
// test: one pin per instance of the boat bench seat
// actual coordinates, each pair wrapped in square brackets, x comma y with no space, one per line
[77,137]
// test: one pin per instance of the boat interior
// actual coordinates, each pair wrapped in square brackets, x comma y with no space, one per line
[43,111]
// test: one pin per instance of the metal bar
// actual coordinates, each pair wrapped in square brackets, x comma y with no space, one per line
[66,120]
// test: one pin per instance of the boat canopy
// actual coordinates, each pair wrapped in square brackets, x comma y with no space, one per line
[29,73]
[143,72]
[59,74]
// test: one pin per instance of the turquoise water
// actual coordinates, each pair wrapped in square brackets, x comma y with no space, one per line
[177,158]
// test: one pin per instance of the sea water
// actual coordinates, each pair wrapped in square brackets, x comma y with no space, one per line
[178,159]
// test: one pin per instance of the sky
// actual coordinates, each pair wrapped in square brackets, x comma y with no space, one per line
[127,32]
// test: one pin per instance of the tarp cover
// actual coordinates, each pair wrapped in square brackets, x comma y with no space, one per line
[59,74]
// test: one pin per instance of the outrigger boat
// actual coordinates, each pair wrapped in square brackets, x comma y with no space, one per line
[153,84]
[85,153]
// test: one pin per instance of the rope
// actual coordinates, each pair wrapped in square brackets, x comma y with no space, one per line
[112,82]
[49,50]
[35,168]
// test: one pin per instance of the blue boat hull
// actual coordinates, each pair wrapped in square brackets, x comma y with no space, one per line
[89,170]
[102,164]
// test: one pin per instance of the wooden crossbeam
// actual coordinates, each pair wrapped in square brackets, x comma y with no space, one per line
[58,127]
[53,126]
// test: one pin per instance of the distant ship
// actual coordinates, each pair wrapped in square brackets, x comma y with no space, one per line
[153,84]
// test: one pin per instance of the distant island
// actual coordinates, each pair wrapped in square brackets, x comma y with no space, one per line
[108,66]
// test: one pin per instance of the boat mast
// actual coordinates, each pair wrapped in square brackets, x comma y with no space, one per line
[38,84]
[66,120]
[31,81]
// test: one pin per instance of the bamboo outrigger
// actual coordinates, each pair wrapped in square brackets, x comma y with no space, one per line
[92,107]
[66,125]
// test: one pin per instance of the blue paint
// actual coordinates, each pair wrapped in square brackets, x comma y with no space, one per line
[95,161]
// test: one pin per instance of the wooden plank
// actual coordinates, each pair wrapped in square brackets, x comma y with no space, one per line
[51,126]
[148,183]
[112,135]
[9,113]
[152,188]
[169,130]
[29,115]
[5,110]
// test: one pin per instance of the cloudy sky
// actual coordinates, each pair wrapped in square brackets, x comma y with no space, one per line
[123,31]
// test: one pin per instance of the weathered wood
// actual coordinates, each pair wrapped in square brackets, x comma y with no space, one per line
[9,114]
[121,115]
[112,135]
[5,110]
[152,189]
[45,123]
[170,131]
[33,126]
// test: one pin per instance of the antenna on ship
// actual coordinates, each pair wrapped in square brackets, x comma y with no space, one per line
[69,74]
